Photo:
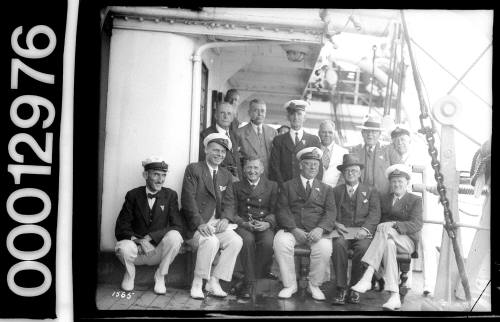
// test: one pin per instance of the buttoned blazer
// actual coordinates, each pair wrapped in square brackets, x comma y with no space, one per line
[367,212]
[406,212]
[260,202]
[232,157]
[284,165]
[296,210]
[332,176]
[382,162]
[249,143]
[198,201]
[134,218]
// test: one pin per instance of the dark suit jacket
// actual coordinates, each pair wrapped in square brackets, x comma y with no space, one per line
[260,203]
[295,210]
[134,219]
[407,213]
[248,142]
[284,165]
[198,201]
[382,162]
[232,159]
[367,213]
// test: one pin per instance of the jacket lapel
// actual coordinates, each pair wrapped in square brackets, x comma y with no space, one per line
[361,195]
[144,205]
[300,188]
[207,179]
[260,188]
[289,144]
[315,189]
[252,137]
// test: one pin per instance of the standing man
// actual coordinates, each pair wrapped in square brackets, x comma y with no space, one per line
[332,153]
[224,115]
[148,226]
[374,156]
[306,215]
[358,206]
[208,206]
[233,98]
[255,138]
[284,165]
[256,197]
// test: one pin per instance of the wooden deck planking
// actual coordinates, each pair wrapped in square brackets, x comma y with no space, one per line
[161,301]
[107,299]
[144,301]
[178,300]
[125,303]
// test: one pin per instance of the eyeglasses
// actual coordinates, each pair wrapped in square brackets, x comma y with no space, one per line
[351,171]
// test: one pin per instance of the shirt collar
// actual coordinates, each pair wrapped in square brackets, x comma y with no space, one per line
[255,184]
[149,191]
[304,181]
[300,132]
[211,169]
[256,127]
[220,129]
[400,197]
[354,187]
[330,147]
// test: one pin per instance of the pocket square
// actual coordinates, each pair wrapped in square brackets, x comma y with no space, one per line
[365,201]
[222,188]
[317,189]
[363,193]
[162,207]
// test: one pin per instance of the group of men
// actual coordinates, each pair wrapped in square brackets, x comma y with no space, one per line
[256,194]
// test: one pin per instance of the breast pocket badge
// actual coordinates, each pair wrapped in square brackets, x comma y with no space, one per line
[162,207]
[222,188]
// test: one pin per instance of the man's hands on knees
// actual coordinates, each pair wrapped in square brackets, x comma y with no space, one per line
[221,225]
[261,225]
[206,230]
[315,234]
[385,226]
[300,235]
[144,246]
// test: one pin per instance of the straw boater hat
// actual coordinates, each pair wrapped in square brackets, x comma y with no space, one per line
[296,105]
[398,170]
[313,153]
[349,160]
[219,138]
[155,163]
[399,130]
[372,123]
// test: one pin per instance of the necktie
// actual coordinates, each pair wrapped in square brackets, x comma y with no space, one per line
[308,188]
[326,158]
[350,191]
[395,200]
[217,196]
[296,138]
[252,186]
[369,151]
[152,195]
[227,134]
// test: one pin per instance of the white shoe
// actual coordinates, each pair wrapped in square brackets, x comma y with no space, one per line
[214,288]
[316,293]
[160,283]
[362,286]
[128,282]
[394,302]
[287,292]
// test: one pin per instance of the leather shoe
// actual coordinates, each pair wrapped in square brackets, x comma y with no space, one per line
[339,299]
[271,276]
[316,293]
[362,286]
[196,291]
[353,297]
[159,283]
[287,292]
[246,291]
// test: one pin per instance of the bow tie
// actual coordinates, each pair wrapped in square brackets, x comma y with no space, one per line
[152,195]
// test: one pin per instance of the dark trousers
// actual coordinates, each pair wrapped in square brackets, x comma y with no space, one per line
[340,258]
[256,255]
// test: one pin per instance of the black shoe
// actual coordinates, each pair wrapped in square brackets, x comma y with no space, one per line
[271,276]
[237,286]
[378,284]
[340,298]
[246,290]
[353,297]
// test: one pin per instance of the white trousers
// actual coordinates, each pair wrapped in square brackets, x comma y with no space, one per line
[230,244]
[284,243]
[164,253]
[384,247]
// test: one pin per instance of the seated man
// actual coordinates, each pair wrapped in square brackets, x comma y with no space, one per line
[208,206]
[358,205]
[399,231]
[148,226]
[256,197]
[306,214]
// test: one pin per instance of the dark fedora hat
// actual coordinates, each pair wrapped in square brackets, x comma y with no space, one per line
[349,160]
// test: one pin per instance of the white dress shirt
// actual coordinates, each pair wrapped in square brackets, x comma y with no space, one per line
[299,132]
[332,175]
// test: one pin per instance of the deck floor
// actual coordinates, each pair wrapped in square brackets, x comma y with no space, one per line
[178,298]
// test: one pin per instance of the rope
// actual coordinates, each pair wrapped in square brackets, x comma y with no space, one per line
[468,69]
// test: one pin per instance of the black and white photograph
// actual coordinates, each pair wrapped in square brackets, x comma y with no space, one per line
[249,162]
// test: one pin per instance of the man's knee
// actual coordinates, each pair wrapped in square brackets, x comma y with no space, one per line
[282,243]
[339,245]
[323,247]
[391,245]
[236,241]
[173,238]
[126,248]
[248,239]
[210,243]
[362,246]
